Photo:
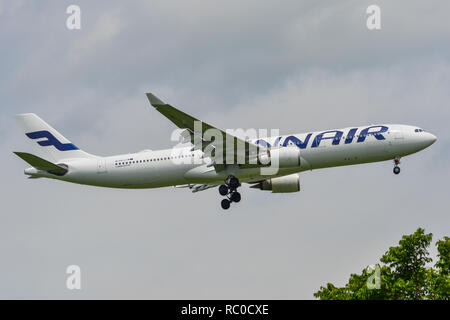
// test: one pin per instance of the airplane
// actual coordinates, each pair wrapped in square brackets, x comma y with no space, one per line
[199,164]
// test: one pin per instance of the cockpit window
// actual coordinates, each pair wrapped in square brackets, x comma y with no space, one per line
[418,130]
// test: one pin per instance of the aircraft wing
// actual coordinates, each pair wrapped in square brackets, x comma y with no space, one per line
[228,143]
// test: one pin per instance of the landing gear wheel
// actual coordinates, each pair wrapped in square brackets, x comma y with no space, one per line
[396,170]
[233,182]
[235,196]
[225,204]
[223,190]
[229,191]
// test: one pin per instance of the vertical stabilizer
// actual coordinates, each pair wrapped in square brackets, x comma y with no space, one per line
[46,141]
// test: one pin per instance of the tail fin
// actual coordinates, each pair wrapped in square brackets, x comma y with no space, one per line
[46,141]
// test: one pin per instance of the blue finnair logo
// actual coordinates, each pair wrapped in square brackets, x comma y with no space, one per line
[51,141]
[334,135]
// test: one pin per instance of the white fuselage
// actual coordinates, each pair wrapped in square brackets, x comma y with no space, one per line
[170,167]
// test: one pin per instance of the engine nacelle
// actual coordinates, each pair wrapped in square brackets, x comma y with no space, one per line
[289,183]
[285,157]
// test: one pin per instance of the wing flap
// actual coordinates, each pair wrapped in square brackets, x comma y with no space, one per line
[197,187]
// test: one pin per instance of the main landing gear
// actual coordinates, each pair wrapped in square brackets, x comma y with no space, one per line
[396,167]
[229,190]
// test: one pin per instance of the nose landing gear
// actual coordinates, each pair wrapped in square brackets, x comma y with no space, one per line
[396,167]
[229,189]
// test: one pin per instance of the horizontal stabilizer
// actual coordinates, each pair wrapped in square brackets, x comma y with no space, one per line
[42,164]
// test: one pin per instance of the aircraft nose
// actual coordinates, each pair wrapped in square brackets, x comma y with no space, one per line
[430,138]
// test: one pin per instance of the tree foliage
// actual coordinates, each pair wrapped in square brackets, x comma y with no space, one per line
[402,274]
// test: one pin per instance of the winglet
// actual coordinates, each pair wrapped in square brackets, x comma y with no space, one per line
[154,100]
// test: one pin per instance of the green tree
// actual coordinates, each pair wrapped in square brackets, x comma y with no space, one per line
[439,277]
[402,274]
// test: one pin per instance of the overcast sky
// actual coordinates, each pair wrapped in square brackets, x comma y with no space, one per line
[290,65]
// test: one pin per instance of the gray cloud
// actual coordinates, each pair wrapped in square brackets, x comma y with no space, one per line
[297,66]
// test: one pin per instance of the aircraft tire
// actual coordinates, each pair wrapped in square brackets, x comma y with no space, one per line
[225,204]
[233,182]
[223,190]
[235,196]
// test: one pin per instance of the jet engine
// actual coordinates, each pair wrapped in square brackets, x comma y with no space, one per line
[289,183]
[286,157]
